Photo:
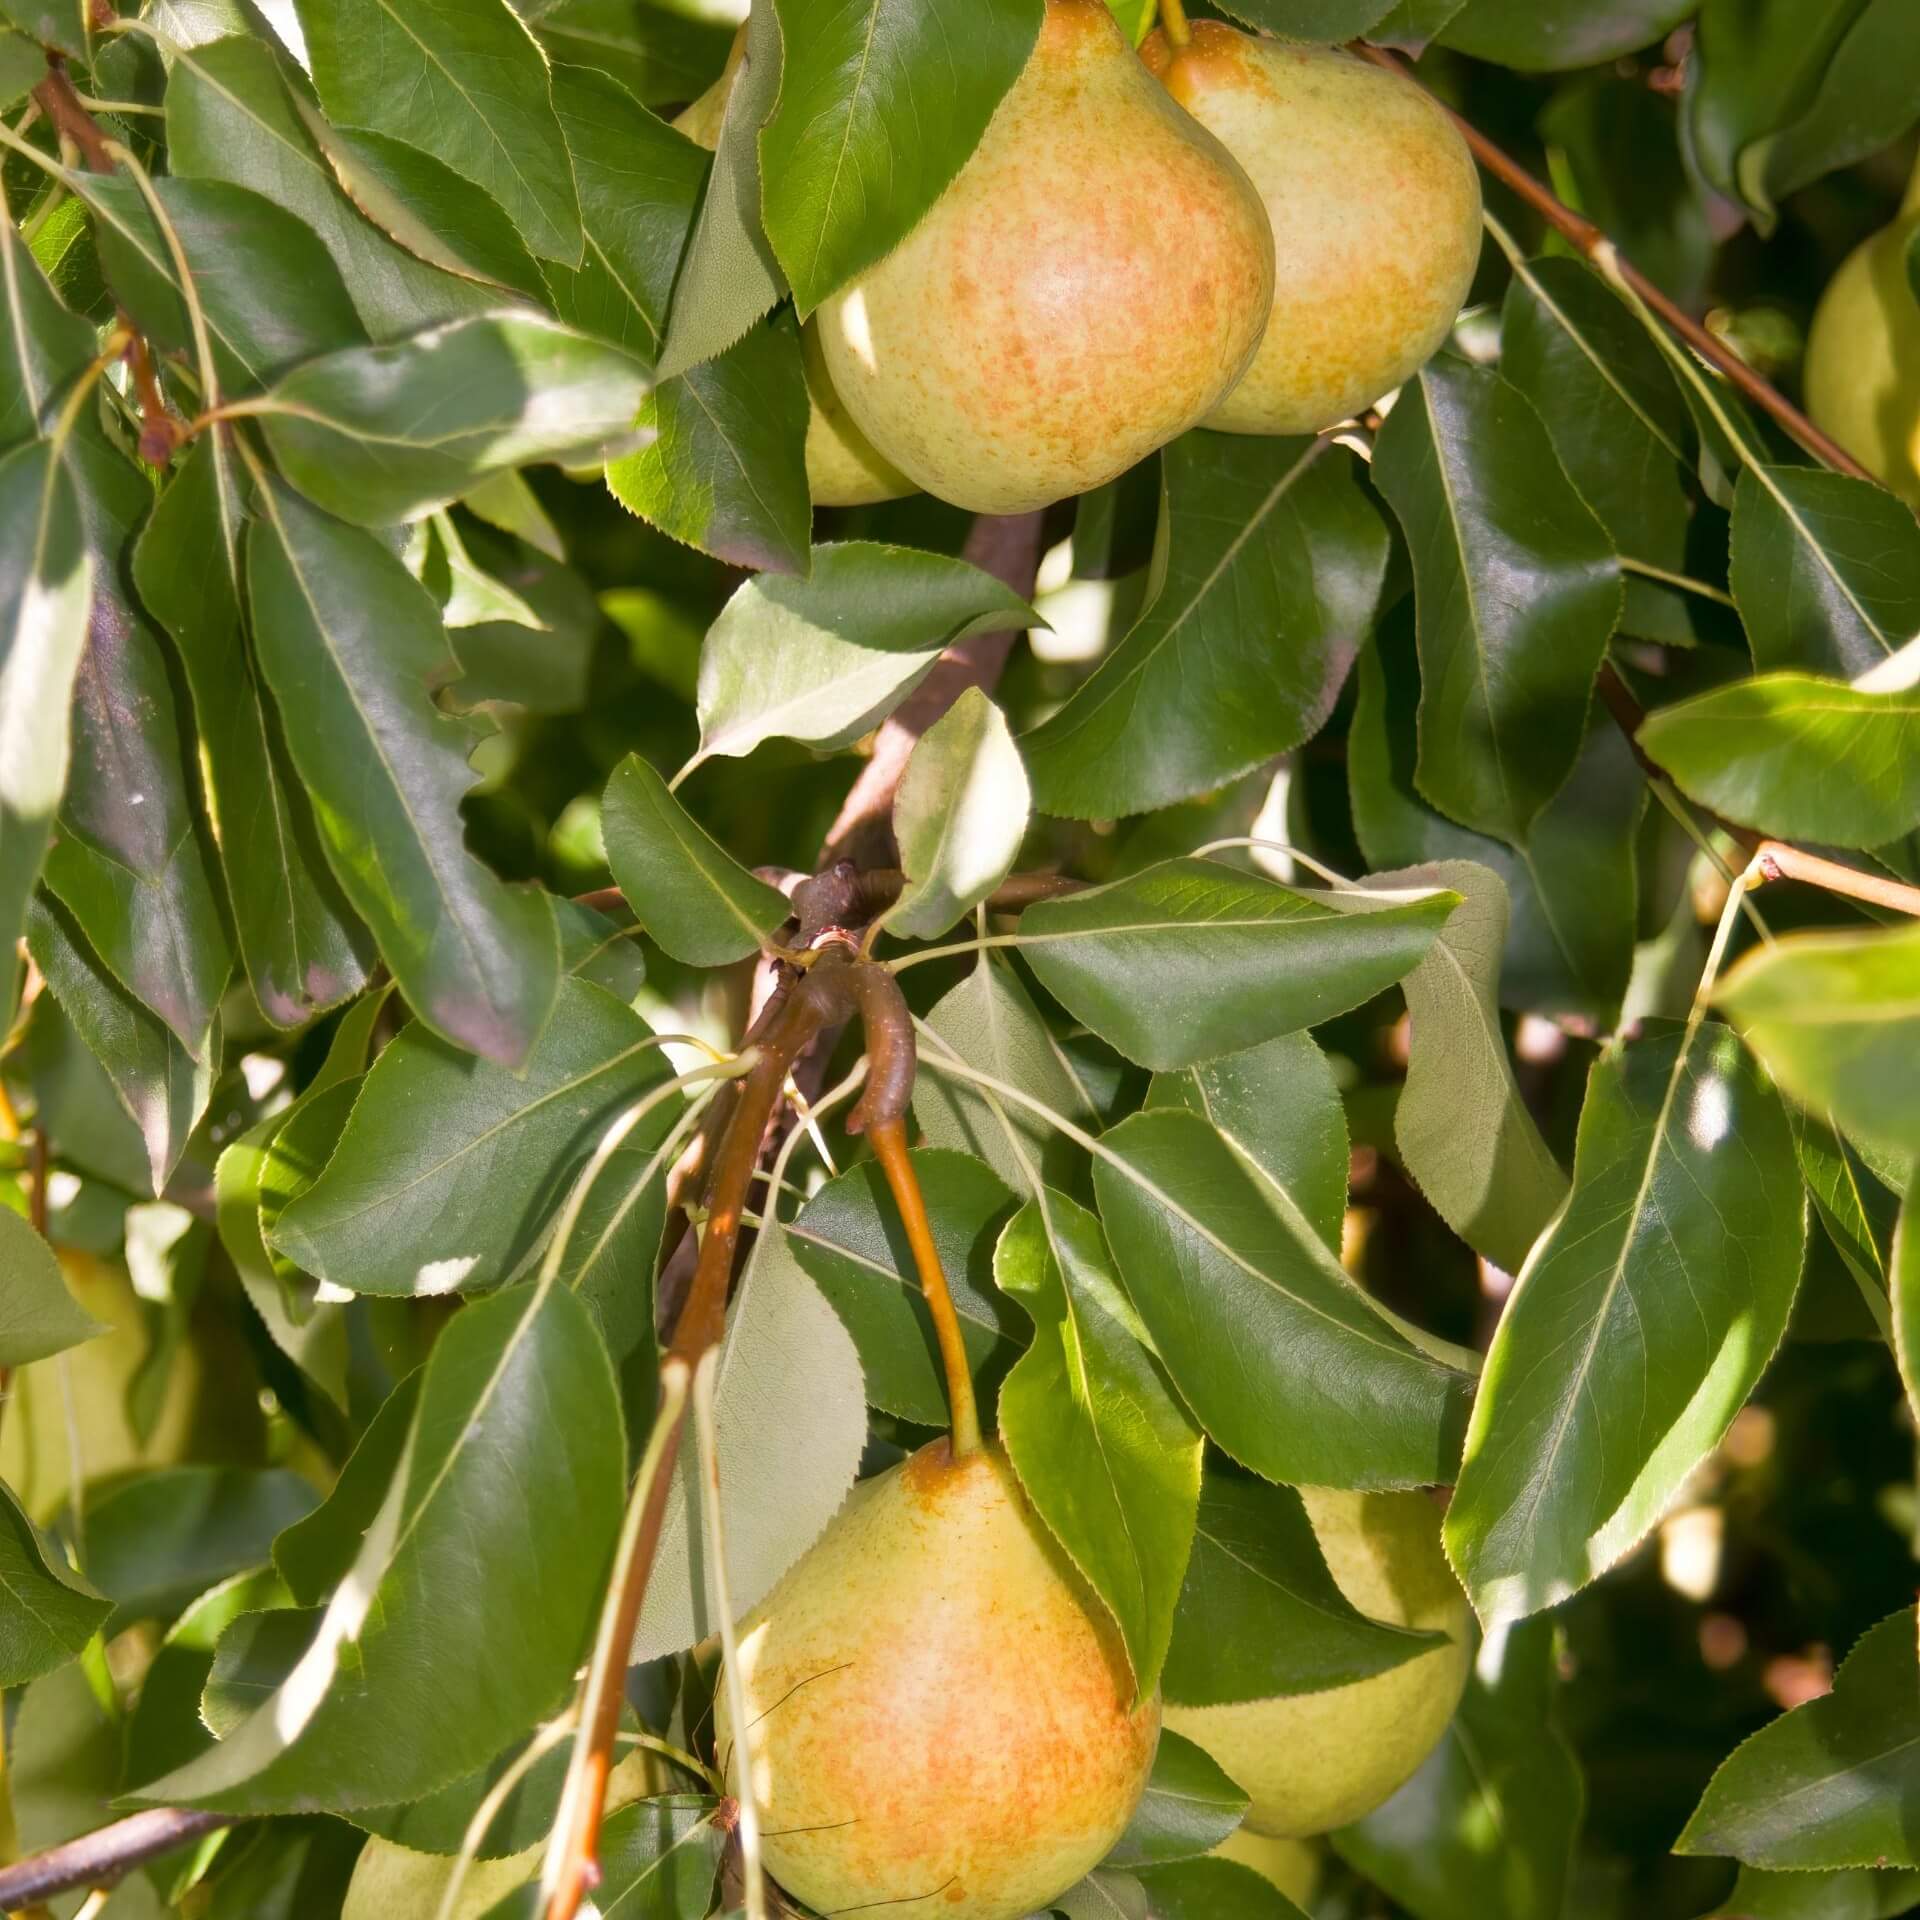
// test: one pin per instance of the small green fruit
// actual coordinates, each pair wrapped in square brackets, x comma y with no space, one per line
[1311,1762]
[939,1714]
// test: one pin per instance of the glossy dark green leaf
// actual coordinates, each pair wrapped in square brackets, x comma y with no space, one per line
[47,1612]
[42,345]
[1832,1783]
[156,1541]
[232,116]
[1847,1893]
[378,434]
[350,644]
[1571,880]
[463,79]
[1486,1829]
[1554,35]
[269,291]
[1213,1890]
[841,188]
[1190,959]
[285,1871]
[826,658]
[1279,1106]
[1641,1322]
[163,1089]
[1833,1017]
[1106,1452]
[989,1023]
[1216,1258]
[420,1671]
[1518,592]
[1269,563]
[1260,1615]
[725,469]
[1855,1209]
[1826,570]
[1188,1808]
[658,1861]
[452,1164]
[254,1656]
[849,1237]
[304,947]
[438,1824]
[656,53]
[1607,398]
[1797,757]
[38,1315]
[689,893]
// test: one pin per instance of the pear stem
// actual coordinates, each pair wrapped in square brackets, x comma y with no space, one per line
[889,1139]
[1173,23]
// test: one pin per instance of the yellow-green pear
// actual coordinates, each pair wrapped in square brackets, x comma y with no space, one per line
[1088,287]
[1375,207]
[1314,1761]
[941,1719]
[1292,1866]
[1863,355]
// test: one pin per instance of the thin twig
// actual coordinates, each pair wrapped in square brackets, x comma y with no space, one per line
[100,1858]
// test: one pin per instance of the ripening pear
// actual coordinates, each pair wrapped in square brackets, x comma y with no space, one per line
[941,1717]
[1375,208]
[843,467]
[1863,355]
[1311,1762]
[1088,287]
[1291,1867]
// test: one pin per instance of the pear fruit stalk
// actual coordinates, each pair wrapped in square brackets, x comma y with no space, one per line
[1086,289]
[1375,209]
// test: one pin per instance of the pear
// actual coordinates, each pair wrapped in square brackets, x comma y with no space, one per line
[1863,355]
[1088,287]
[843,467]
[1375,208]
[1312,1762]
[1292,1867]
[941,1719]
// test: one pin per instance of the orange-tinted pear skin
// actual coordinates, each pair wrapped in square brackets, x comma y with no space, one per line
[941,1718]
[1375,209]
[1089,286]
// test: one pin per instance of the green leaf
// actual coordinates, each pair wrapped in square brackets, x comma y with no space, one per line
[295,1158]
[54,23]
[1214,1890]
[959,814]
[43,347]
[1903,1281]
[728,276]
[131,861]
[38,1316]
[1278,1104]
[791,1414]
[1828,1784]
[725,466]
[47,1612]
[419,1671]
[1106,1453]
[1190,959]
[689,893]
[452,1165]
[656,53]
[1825,568]
[1797,757]
[841,188]
[825,659]
[45,602]
[1518,592]
[253,1657]
[1261,1616]
[350,643]
[304,947]
[1489,1823]
[465,80]
[1555,35]
[233,114]
[378,434]
[1462,1128]
[1324,1388]
[1104,1895]
[1854,1208]
[989,1022]
[1571,880]
[1849,1893]
[658,1860]
[849,1237]
[1188,1808]
[1835,1019]
[1641,1322]
[23,65]
[1607,398]
[1258,537]
[163,1089]
[1316,22]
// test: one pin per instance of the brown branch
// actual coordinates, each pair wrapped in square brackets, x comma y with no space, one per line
[61,104]
[1587,239]
[100,1858]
